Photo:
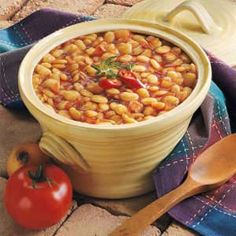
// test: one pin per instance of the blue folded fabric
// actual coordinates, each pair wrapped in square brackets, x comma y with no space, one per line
[212,213]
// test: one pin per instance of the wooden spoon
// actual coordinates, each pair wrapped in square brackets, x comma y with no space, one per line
[212,168]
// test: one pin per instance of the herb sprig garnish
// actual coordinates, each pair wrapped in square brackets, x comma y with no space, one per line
[110,67]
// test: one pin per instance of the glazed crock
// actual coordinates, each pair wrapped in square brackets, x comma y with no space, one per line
[112,161]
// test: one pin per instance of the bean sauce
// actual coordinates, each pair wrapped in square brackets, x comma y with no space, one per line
[115,77]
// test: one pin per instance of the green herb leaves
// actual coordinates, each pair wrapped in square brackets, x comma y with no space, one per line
[110,67]
[127,66]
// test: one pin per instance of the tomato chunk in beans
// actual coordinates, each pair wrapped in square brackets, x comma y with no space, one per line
[115,77]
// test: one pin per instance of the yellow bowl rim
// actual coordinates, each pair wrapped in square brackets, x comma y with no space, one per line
[187,108]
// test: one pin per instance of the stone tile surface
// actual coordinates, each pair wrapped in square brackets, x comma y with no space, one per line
[5,23]
[9,7]
[87,7]
[89,220]
[110,10]
[124,2]
[128,207]
[9,228]
[123,206]
[176,229]
[15,127]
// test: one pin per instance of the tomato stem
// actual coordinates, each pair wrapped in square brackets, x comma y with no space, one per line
[49,181]
[23,157]
[37,176]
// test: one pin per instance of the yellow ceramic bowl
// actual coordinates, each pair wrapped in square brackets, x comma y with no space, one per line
[112,161]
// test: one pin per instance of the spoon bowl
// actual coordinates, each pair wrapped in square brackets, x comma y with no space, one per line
[216,164]
[212,168]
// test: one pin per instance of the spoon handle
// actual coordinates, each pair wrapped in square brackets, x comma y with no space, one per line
[146,216]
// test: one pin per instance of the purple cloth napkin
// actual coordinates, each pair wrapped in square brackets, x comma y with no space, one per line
[213,213]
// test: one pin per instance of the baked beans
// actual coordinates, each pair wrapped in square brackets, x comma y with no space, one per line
[115,77]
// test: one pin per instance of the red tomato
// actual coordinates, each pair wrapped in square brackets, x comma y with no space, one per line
[129,78]
[99,50]
[108,83]
[38,199]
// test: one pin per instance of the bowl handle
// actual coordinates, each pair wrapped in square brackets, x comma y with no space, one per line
[205,20]
[59,149]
